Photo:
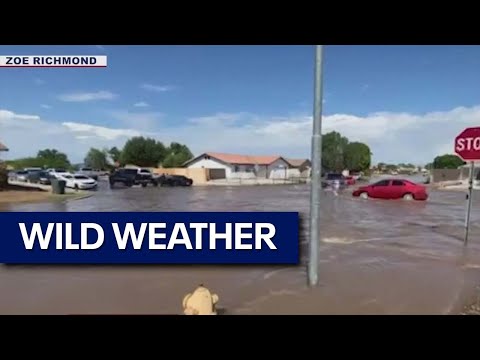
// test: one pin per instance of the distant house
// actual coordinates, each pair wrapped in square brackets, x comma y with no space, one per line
[299,167]
[465,171]
[229,166]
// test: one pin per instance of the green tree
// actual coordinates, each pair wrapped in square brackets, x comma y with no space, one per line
[114,154]
[333,149]
[142,151]
[47,158]
[447,161]
[177,155]
[96,159]
[429,166]
[357,156]
[52,158]
[3,176]
[22,163]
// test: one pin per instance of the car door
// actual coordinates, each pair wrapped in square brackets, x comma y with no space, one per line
[396,189]
[68,181]
[380,189]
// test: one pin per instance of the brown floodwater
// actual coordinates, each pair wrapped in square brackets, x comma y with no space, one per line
[376,257]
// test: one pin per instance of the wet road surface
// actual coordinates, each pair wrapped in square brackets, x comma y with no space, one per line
[376,257]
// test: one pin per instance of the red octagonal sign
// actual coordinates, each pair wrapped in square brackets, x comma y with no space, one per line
[467,144]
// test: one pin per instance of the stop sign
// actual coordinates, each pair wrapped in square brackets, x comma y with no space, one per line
[467,144]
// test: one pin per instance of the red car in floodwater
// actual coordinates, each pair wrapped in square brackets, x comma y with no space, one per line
[392,189]
[350,180]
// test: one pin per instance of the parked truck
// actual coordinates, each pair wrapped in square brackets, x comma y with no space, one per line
[131,176]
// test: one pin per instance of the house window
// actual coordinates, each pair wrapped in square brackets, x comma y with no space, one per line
[236,168]
[207,157]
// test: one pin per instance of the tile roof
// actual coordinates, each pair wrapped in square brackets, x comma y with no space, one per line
[243,159]
[296,162]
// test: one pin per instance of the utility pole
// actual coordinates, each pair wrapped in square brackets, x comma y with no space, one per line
[316,176]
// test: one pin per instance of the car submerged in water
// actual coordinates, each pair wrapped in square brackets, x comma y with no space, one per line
[174,180]
[390,189]
[334,180]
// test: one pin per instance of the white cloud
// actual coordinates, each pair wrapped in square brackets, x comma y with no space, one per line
[393,137]
[141,104]
[7,116]
[83,131]
[45,106]
[26,134]
[157,88]
[87,96]
[144,121]
[220,119]
[38,81]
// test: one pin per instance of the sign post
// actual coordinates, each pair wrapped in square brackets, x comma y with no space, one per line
[469,199]
[467,146]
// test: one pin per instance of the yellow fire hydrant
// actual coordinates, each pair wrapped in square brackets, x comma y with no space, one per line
[200,302]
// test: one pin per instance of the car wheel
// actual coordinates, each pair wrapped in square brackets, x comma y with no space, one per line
[144,185]
[364,195]
[76,187]
[408,197]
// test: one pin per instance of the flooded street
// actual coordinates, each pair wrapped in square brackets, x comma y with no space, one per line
[376,257]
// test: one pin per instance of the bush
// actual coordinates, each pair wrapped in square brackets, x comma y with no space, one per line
[3,176]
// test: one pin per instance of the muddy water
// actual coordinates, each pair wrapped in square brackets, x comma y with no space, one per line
[376,257]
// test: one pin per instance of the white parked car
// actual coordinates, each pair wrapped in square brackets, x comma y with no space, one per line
[57,173]
[78,181]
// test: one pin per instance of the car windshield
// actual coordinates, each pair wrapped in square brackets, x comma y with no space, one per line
[22,172]
[59,170]
[67,176]
[145,170]
[130,171]
[81,177]
[86,169]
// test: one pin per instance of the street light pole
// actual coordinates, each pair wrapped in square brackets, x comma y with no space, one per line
[316,180]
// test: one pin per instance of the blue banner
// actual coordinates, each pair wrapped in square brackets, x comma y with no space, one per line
[149,238]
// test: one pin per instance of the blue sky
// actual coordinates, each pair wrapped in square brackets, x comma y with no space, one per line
[406,102]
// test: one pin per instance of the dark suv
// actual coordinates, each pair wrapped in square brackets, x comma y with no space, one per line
[130,177]
[333,178]
[174,180]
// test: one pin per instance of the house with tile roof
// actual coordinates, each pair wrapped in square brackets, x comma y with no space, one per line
[228,166]
[299,167]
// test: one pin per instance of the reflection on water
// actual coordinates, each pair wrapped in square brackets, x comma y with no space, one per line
[382,257]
